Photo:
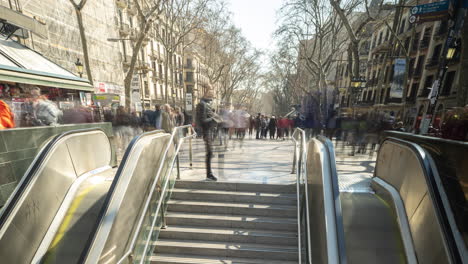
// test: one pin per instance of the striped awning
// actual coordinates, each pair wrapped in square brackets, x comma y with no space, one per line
[20,64]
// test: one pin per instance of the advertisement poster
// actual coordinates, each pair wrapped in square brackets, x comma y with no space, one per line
[396,90]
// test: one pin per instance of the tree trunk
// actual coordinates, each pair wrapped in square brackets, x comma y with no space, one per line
[131,70]
[166,77]
[84,43]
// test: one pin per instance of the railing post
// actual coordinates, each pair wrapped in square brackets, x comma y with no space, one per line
[294,160]
[178,167]
[190,148]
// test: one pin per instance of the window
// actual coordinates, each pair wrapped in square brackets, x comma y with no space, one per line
[411,67]
[414,90]
[436,52]
[189,77]
[419,66]
[380,38]
[448,83]
[189,63]
[427,86]
[402,26]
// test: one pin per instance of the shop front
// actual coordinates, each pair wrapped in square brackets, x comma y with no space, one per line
[28,79]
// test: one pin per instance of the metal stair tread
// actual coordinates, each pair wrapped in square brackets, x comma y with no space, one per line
[236,186]
[225,192]
[196,259]
[225,245]
[229,217]
[231,204]
[229,231]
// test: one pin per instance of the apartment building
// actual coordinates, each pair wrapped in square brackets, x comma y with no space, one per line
[420,46]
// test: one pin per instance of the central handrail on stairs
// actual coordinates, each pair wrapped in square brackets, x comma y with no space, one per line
[153,205]
[303,221]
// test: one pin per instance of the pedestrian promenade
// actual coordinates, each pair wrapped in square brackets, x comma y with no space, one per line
[270,162]
[250,161]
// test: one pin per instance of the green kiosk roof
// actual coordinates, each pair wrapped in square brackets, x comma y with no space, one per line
[20,64]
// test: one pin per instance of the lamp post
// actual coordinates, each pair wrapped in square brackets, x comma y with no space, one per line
[79,67]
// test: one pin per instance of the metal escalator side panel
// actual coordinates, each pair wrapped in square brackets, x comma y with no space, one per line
[402,219]
[38,197]
[324,205]
[406,166]
[136,178]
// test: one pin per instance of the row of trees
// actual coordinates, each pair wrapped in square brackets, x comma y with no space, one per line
[316,33]
[202,25]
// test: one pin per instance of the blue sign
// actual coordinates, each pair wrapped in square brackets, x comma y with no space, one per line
[431,7]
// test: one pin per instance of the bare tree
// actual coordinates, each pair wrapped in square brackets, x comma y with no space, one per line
[178,19]
[147,11]
[79,17]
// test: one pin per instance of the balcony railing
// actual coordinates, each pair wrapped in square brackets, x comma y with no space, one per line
[432,64]
[424,93]
[424,44]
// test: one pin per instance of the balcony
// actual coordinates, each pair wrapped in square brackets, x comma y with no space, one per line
[125,30]
[189,80]
[424,45]
[131,10]
[424,93]
[143,66]
[154,56]
[382,48]
[122,4]
[189,67]
[432,64]
[127,60]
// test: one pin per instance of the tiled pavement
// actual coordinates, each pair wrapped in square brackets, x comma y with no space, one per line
[270,161]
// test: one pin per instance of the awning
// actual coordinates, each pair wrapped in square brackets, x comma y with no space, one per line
[22,65]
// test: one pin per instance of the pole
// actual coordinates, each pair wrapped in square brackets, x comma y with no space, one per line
[453,34]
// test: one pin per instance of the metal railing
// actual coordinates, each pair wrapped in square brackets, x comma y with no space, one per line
[153,205]
[178,138]
[303,221]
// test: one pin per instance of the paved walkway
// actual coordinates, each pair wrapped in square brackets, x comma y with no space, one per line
[270,161]
[253,161]
[354,172]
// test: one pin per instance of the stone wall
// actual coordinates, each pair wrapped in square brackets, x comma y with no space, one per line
[19,146]
[63,45]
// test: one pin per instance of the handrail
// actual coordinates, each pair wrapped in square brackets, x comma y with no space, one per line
[32,170]
[131,247]
[300,157]
[339,249]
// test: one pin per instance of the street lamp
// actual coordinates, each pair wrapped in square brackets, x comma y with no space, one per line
[79,67]
[451,52]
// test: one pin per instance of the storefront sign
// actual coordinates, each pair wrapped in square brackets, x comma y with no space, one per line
[429,12]
[188,102]
[396,90]
[434,91]
[102,87]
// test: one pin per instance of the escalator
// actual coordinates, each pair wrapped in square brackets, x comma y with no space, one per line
[72,207]
[402,218]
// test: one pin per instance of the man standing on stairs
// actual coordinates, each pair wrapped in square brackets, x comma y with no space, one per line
[207,120]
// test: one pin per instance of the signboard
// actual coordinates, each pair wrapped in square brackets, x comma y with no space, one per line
[188,102]
[102,87]
[434,91]
[135,84]
[429,12]
[396,89]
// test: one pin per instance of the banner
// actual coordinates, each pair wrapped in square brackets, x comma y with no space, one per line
[396,90]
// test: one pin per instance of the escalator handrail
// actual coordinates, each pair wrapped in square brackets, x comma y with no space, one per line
[338,215]
[112,188]
[435,191]
[301,170]
[39,159]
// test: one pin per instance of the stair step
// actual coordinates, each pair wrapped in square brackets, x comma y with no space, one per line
[235,186]
[233,196]
[222,249]
[232,208]
[229,235]
[232,221]
[195,259]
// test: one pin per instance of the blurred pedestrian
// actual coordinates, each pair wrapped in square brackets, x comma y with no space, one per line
[272,127]
[207,120]
[167,121]
[258,125]
[45,112]
[7,119]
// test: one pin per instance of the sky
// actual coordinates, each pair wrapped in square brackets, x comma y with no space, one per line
[257,20]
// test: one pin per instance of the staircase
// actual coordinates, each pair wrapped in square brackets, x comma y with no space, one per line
[228,223]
